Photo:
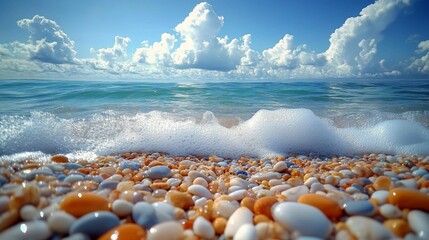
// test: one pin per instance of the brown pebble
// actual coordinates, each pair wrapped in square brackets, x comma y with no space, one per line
[248,202]
[382,183]
[79,204]
[263,206]
[397,226]
[261,218]
[59,159]
[160,185]
[409,198]
[8,219]
[179,199]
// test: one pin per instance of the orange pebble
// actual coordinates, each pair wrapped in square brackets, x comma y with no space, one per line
[408,198]
[382,183]
[328,206]
[219,225]
[128,231]
[59,159]
[178,199]
[248,202]
[261,218]
[79,204]
[397,226]
[263,205]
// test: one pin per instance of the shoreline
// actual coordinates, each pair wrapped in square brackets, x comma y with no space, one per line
[209,197]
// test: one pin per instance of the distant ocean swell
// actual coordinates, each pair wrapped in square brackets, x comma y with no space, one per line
[267,132]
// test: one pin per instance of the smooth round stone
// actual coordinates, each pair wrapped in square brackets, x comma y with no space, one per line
[174,182]
[29,212]
[367,228]
[315,187]
[294,193]
[122,208]
[158,172]
[310,181]
[35,230]
[144,214]
[164,211]
[362,208]
[280,166]
[306,220]
[203,228]
[179,199]
[419,172]
[239,182]
[409,198]
[130,165]
[200,181]
[127,231]
[95,224]
[239,194]
[263,206]
[4,204]
[390,211]
[60,222]
[382,196]
[408,183]
[240,217]
[108,185]
[200,191]
[59,159]
[382,183]
[73,178]
[397,226]
[260,176]
[201,202]
[329,207]
[166,230]
[246,232]
[41,171]
[225,208]
[79,204]
[419,222]
[280,188]
[72,166]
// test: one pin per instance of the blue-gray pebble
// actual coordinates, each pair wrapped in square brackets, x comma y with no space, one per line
[158,172]
[95,224]
[361,208]
[144,214]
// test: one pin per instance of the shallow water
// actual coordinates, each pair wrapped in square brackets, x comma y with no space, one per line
[229,119]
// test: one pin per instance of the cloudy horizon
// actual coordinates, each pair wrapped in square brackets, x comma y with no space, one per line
[198,49]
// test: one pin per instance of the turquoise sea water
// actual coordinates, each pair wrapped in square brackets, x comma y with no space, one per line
[230,119]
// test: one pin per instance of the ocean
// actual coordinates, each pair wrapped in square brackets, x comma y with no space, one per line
[86,119]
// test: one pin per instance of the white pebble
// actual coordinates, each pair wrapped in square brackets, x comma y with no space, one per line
[200,181]
[200,191]
[166,230]
[225,208]
[60,222]
[240,217]
[246,232]
[280,166]
[294,193]
[381,196]
[29,212]
[238,195]
[390,211]
[419,222]
[203,228]
[200,202]
[122,208]
[35,230]
[304,219]
[367,228]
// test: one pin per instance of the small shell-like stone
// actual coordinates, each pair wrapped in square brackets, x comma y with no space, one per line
[246,232]
[203,228]
[166,230]
[304,219]
[200,191]
[240,217]
[60,222]
[367,228]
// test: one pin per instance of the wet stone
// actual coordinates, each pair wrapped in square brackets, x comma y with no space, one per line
[103,221]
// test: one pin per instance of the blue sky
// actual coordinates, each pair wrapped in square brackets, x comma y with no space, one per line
[222,39]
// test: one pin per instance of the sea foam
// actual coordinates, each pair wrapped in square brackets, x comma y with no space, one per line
[266,133]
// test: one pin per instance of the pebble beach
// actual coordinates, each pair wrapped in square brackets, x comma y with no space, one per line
[158,196]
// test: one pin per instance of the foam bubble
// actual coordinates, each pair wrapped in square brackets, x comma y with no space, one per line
[266,133]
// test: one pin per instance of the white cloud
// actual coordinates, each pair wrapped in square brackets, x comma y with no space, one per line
[421,64]
[109,57]
[284,55]
[354,45]
[159,53]
[47,42]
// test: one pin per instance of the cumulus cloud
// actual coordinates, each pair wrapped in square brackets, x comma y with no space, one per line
[354,45]
[199,47]
[285,55]
[47,42]
[108,57]
[421,64]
